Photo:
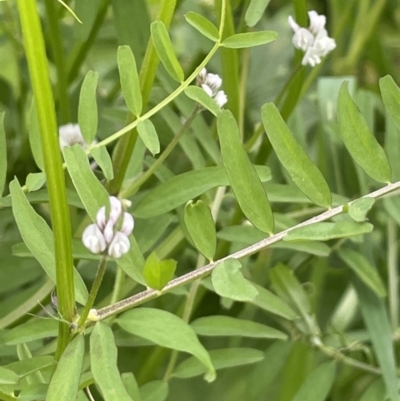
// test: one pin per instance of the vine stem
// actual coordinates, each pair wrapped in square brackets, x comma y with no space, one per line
[149,294]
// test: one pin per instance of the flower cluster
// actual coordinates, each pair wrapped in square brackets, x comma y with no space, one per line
[211,83]
[314,40]
[111,230]
[70,134]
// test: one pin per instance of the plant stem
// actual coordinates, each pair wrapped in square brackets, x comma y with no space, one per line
[126,192]
[93,292]
[39,74]
[393,274]
[148,295]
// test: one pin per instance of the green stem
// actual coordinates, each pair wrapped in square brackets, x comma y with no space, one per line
[125,193]
[93,292]
[393,274]
[39,74]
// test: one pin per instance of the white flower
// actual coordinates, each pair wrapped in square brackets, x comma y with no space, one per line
[314,40]
[127,224]
[70,134]
[211,83]
[119,245]
[93,239]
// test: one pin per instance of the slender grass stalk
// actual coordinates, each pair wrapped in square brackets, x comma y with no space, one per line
[39,74]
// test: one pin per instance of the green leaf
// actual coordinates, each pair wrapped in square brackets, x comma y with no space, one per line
[132,262]
[131,386]
[200,225]
[359,141]
[391,98]
[129,77]
[200,96]
[302,170]
[8,376]
[35,181]
[203,25]
[244,180]
[165,51]
[65,380]
[31,330]
[255,11]
[375,317]
[375,391]
[87,111]
[228,281]
[269,302]
[34,392]
[318,384]
[156,390]
[28,366]
[39,238]
[149,136]
[103,159]
[364,270]
[221,358]
[92,194]
[165,329]
[230,326]
[249,39]
[158,273]
[360,207]
[3,154]
[103,357]
[327,231]
[184,187]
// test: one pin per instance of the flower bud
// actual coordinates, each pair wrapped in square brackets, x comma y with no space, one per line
[119,245]
[70,134]
[220,98]
[115,209]
[93,239]
[108,231]
[127,224]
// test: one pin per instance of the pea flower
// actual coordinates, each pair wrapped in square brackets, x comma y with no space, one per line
[110,231]
[211,83]
[70,134]
[314,40]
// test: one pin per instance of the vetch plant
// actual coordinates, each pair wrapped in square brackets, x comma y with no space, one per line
[273,222]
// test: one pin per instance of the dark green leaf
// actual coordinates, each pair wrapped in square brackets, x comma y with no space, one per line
[103,357]
[65,380]
[130,84]
[200,96]
[165,329]
[302,170]
[249,39]
[3,154]
[230,326]
[149,136]
[131,386]
[391,98]
[244,180]
[87,112]
[165,51]
[158,273]
[359,140]
[203,25]
[255,11]
[228,281]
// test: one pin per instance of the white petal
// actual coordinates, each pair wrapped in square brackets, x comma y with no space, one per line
[207,89]
[201,78]
[317,22]
[70,134]
[115,209]
[119,246]
[303,39]
[93,239]
[101,219]
[214,81]
[221,98]
[127,224]
[293,24]
[108,231]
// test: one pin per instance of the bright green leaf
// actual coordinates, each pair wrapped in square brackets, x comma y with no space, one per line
[244,180]
[255,11]
[360,207]
[31,330]
[28,366]
[35,181]
[129,77]
[228,281]
[149,136]
[65,380]
[165,51]
[203,25]
[103,357]
[249,39]
[364,270]
[131,386]
[184,187]
[92,194]
[327,231]
[158,273]
[156,390]
[200,225]
[200,96]
[230,326]
[39,238]
[8,376]
[359,141]
[103,159]
[87,111]
[3,154]
[132,262]
[318,384]
[302,170]
[221,358]
[165,329]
